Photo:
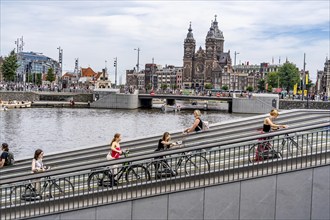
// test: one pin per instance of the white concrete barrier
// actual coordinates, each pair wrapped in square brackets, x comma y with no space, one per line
[257,103]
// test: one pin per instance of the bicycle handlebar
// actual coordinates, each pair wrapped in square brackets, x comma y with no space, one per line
[126,152]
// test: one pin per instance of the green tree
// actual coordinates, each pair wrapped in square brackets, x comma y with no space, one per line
[249,88]
[289,75]
[208,86]
[30,78]
[270,88]
[273,80]
[50,75]
[224,87]
[9,66]
[310,85]
[261,85]
[163,86]
[38,78]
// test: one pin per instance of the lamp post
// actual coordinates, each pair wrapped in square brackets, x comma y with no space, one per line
[152,74]
[236,53]
[138,59]
[60,59]
[115,65]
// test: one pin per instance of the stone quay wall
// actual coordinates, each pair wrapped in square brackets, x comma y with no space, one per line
[299,104]
[34,96]
[19,96]
[67,97]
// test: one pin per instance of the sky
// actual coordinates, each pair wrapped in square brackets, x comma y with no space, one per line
[96,32]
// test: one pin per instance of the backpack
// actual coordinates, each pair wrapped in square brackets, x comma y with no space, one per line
[10,159]
[205,125]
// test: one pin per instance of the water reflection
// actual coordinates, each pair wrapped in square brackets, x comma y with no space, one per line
[58,129]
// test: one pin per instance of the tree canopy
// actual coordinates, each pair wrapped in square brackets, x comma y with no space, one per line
[261,85]
[208,86]
[273,79]
[288,76]
[50,75]
[224,87]
[9,66]
[249,88]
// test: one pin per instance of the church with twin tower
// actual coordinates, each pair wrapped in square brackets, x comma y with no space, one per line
[206,66]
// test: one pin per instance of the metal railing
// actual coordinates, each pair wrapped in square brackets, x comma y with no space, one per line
[218,132]
[165,172]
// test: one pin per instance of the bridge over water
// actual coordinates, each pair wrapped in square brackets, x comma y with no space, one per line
[228,184]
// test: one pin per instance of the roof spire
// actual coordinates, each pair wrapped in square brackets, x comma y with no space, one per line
[190,34]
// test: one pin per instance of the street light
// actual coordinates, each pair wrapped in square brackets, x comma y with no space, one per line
[236,53]
[115,65]
[138,59]
[60,60]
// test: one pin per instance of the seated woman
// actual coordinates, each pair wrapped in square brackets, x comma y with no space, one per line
[197,125]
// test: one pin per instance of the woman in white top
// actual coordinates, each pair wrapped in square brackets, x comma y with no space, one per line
[37,164]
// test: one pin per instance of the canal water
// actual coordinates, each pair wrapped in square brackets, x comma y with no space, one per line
[63,129]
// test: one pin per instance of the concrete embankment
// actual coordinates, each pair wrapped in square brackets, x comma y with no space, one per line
[52,104]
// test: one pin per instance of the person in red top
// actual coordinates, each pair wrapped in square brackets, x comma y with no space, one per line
[115,150]
[115,146]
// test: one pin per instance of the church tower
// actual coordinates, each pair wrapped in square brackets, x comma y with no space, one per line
[209,66]
[213,47]
[188,59]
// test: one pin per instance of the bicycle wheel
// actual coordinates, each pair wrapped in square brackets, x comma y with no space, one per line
[61,188]
[137,173]
[297,144]
[96,179]
[196,164]
[17,194]
[253,153]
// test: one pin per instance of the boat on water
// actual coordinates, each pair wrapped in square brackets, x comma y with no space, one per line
[171,108]
[3,108]
[15,104]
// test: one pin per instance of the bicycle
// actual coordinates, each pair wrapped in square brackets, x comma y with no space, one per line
[265,150]
[294,142]
[193,163]
[104,177]
[57,187]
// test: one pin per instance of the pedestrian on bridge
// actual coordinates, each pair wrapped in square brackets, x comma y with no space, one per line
[198,124]
[163,144]
[269,124]
[115,151]
[38,166]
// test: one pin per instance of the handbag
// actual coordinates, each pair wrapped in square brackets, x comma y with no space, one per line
[109,157]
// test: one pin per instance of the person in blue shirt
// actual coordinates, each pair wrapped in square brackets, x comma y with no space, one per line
[4,155]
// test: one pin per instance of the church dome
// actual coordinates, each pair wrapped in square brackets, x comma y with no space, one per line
[214,31]
[190,34]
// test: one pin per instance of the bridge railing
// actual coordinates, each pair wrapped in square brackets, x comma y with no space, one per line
[165,172]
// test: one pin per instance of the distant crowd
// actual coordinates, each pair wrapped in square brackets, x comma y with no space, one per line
[12,86]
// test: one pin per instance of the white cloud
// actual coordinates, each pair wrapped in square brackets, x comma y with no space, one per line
[95,31]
